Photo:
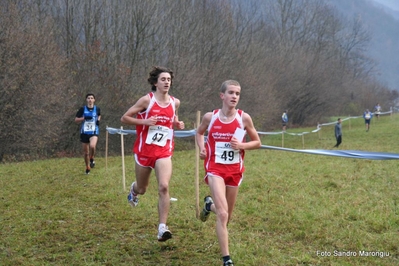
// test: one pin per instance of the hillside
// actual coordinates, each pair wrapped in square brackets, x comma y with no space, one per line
[384,29]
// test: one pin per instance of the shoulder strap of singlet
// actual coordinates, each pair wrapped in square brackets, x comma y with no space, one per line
[215,115]
[239,115]
[153,101]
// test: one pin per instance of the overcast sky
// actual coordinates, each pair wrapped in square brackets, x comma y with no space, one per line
[393,4]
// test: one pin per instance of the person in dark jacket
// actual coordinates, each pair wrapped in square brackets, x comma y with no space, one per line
[338,132]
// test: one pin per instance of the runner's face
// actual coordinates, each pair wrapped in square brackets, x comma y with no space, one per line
[231,95]
[90,100]
[164,82]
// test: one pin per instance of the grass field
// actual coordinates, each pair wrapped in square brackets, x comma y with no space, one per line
[292,209]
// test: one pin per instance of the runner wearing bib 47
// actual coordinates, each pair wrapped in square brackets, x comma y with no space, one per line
[155,117]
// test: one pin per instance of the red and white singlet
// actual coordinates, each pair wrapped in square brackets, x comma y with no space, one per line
[156,141]
[221,158]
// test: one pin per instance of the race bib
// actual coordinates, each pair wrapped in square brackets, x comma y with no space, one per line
[89,127]
[368,116]
[224,154]
[158,135]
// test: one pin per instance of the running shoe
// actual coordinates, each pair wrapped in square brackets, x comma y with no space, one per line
[228,263]
[132,198]
[164,234]
[207,206]
[92,163]
[87,171]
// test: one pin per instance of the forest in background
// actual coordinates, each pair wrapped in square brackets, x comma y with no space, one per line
[299,55]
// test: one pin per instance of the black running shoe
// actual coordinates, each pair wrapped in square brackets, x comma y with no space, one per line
[205,213]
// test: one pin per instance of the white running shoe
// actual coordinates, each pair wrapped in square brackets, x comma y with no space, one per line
[164,234]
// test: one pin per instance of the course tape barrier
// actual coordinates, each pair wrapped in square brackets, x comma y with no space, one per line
[177,133]
[337,153]
[369,155]
[189,133]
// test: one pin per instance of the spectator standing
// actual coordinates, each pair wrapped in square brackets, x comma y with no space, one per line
[377,110]
[338,133]
[284,119]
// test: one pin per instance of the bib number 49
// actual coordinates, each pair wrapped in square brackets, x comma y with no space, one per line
[228,155]
[224,154]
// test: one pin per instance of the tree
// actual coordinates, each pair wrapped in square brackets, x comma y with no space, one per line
[32,84]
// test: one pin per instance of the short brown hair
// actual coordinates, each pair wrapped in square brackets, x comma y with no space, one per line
[227,83]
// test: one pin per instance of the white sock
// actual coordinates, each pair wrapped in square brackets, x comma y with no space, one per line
[161,226]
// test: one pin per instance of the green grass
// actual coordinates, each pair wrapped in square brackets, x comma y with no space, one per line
[291,208]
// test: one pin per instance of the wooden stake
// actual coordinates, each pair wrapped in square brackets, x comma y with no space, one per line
[319,131]
[123,161]
[106,149]
[197,151]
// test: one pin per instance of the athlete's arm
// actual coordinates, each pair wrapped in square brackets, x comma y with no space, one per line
[199,136]
[176,123]
[79,116]
[98,113]
[252,133]
[141,105]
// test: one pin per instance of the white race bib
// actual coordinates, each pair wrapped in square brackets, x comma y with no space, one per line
[224,154]
[89,127]
[158,135]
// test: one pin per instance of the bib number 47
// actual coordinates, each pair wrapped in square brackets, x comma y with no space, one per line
[157,137]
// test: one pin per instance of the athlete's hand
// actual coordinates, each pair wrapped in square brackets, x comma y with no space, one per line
[151,121]
[202,154]
[179,124]
[235,143]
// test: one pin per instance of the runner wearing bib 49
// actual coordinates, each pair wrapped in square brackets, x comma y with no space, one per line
[223,155]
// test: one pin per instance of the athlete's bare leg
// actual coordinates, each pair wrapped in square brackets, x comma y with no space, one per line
[86,152]
[163,172]
[142,179]
[224,199]
[93,144]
